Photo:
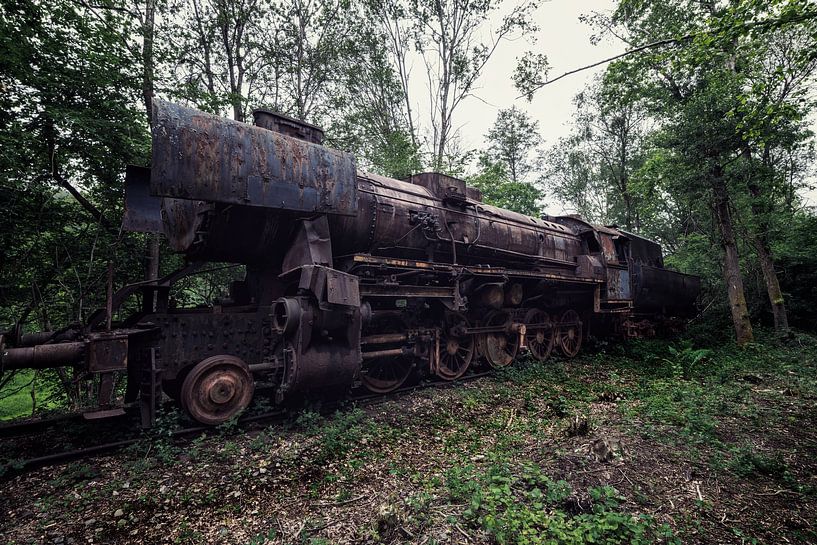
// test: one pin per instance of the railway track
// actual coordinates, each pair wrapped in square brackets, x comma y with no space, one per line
[37,425]
[16,467]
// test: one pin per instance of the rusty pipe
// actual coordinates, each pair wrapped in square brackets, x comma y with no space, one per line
[382,353]
[38,337]
[43,356]
[384,338]
[261,368]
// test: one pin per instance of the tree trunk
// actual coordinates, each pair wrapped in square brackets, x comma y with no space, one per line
[764,254]
[147,57]
[152,265]
[731,265]
[760,240]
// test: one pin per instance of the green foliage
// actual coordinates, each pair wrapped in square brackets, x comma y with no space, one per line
[748,462]
[522,505]
[69,112]
[510,141]
[593,170]
[497,189]
[724,88]
[336,436]
[696,389]
[796,254]
[15,399]
[685,359]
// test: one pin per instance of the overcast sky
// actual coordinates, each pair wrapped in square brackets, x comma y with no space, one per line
[566,42]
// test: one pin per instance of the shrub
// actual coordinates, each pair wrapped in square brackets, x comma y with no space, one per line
[523,506]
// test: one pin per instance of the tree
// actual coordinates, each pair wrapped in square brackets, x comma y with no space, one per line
[448,37]
[771,123]
[592,169]
[391,17]
[697,67]
[766,71]
[510,141]
[370,116]
[499,190]
[222,54]
[314,41]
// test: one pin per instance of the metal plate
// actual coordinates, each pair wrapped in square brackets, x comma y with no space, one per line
[199,156]
[342,289]
[107,354]
[143,211]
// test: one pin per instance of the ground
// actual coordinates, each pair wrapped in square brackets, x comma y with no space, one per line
[653,442]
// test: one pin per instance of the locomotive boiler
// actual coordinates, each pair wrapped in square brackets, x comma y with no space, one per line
[353,280]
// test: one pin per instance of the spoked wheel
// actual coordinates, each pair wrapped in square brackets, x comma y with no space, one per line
[456,347]
[570,333]
[540,334]
[499,348]
[217,389]
[386,374]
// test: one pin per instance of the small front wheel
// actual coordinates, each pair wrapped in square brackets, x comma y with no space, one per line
[217,389]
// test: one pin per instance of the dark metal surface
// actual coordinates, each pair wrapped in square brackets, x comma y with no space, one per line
[663,291]
[42,356]
[278,122]
[107,353]
[187,338]
[143,211]
[433,219]
[198,156]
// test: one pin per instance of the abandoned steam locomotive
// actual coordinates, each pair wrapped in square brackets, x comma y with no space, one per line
[352,279]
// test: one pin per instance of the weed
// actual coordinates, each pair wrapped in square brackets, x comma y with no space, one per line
[260,442]
[747,461]
[229,427]
[309,421]
[524,507]
[685,359]
[7,466]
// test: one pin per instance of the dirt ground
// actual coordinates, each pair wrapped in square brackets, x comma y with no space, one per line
[726,460]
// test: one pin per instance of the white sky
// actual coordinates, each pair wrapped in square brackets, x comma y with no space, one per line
[566,42]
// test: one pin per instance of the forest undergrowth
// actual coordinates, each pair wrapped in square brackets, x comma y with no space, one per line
[646,442]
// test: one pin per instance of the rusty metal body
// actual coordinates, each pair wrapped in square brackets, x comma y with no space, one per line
[353,279]
[430,217]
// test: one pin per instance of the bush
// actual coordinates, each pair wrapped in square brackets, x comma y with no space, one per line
[523,506]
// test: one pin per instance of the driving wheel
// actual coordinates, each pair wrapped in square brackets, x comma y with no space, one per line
[570,333]
[386,374]
[500,347]
[540,333]
[456,347]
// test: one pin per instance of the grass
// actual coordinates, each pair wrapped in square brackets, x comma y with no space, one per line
[522,505]
[15,399]
[17,404]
